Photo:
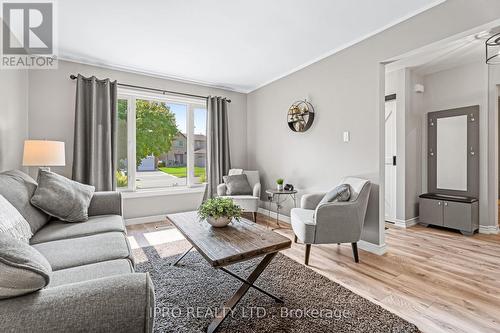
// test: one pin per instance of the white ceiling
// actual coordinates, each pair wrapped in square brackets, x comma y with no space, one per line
[234,44]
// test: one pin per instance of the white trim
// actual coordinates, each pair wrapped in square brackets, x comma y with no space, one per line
[157,192]
[349,44]
[132,70]
[283,218]
[489,229]
[158,96]
[145,219]
[373,248]
[403,223]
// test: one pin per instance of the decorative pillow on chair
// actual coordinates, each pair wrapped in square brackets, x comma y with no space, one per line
[337,194]
[61,197]
[12,223]
[24,269]
[237,185]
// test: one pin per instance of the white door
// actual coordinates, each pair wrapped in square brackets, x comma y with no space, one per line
[390,160]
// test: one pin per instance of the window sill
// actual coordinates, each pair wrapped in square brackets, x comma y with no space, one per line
[156,192]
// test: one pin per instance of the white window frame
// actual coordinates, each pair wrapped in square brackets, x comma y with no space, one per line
[131,95]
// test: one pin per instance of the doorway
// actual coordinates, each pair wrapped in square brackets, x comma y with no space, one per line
[390,158]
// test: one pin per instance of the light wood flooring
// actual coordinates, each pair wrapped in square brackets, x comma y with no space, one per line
[437,279]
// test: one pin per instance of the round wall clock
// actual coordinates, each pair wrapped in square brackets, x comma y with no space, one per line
[300,116]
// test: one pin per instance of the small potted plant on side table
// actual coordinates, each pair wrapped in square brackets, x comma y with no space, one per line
[279,184]
[219,212]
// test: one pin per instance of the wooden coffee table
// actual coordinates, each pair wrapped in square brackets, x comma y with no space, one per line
[240,241]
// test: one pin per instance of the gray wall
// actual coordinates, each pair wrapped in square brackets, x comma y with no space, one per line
[413,136]
[345,90]
[13,117]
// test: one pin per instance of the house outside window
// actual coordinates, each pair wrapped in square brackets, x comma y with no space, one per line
[161,141]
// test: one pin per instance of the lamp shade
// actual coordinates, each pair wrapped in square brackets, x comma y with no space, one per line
[43,153]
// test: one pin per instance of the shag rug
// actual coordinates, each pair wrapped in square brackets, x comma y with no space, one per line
[190,294]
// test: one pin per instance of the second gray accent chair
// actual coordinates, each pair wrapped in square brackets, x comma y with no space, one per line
[249,203]
[332,222]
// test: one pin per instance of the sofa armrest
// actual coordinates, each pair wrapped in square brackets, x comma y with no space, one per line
[122,303]
[311,200]
[221,190]
[256,190]
[106,203]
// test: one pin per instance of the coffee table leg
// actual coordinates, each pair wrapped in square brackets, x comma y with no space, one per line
[233,301]
[181,256]
[278,300]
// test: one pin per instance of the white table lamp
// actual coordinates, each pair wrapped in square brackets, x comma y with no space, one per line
[43,153]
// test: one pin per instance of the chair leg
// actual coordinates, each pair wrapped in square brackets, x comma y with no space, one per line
[255,216]
[308,252]
[355,251]
[295,239]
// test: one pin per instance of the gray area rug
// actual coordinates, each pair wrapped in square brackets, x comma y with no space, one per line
[189,295]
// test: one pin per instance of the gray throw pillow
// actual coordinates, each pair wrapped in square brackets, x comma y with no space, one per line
[18,188]
[12,223]
[237,185]
[24,269]
[61,197]
[337,194]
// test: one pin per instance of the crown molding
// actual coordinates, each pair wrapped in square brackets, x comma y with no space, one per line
[132,70]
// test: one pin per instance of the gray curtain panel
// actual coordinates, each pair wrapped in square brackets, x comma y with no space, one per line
[94,154]
[218,158]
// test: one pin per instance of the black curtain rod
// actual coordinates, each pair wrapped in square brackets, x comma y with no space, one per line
[74,77]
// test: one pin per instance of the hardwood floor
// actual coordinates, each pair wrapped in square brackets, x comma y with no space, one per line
[437,279]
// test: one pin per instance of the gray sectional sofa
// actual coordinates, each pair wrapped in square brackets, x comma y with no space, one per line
[93,286]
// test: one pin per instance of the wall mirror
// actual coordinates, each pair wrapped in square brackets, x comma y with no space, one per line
[453,152]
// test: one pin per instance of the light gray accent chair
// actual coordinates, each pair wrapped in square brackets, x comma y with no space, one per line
[93,286]
[249,203]
[332,222]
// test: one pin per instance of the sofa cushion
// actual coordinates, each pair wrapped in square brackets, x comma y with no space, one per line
[18,188]
[23,269]
[62,197]
[90,272]
[237,185]
[303,224]
[66,253]
[56,230]
[12,223]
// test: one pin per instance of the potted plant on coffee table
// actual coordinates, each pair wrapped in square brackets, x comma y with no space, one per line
[219,212]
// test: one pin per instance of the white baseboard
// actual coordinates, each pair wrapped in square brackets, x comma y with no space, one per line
[283,218]
[489,229]
[373,248]
[145,219]
[403,223]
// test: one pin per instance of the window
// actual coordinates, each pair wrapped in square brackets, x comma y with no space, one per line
[161,141]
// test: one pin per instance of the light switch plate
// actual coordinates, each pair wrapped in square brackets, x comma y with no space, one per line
[347,136]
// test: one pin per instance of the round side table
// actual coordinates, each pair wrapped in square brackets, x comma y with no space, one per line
[278,198]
